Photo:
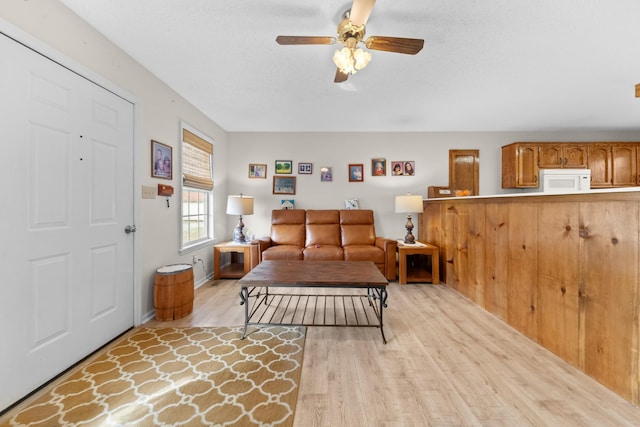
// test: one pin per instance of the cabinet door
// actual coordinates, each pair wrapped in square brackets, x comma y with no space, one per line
[550,156]
[527,166]
[575,156]
[623,159]
[600,165]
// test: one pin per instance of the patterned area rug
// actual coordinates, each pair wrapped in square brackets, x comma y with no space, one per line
[179,377]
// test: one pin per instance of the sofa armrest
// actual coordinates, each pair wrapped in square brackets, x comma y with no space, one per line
[257,247]
[389,247]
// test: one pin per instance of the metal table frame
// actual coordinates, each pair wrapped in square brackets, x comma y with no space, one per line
[263,307]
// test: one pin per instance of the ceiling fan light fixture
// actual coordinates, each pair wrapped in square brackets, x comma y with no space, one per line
[350,61]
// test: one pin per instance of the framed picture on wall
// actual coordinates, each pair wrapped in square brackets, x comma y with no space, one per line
[257,170]
[161,160]
[305,168]
[378,167]
[284,166]
[284,184]
[355,172]
[326,174]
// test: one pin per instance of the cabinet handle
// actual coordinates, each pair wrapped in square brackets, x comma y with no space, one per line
[565,161]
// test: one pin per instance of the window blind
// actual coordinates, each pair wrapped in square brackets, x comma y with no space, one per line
[196,161]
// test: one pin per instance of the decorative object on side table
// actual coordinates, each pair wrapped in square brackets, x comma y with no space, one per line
[239,205]
[409,204]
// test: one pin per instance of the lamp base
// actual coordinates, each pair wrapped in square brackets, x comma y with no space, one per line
[238,235]
[409,239]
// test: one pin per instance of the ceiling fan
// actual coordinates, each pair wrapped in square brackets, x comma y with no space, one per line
[351,31]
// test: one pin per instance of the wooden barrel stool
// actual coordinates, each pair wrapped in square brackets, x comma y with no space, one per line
[173,291]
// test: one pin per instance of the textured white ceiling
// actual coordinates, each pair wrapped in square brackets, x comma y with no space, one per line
[487,65]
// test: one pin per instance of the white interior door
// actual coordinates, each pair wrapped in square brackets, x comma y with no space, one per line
[67,191]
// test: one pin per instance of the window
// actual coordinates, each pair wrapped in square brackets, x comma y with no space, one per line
[197,183]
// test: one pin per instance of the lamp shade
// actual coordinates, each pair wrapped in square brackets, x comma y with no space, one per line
[240,205]
[409,204]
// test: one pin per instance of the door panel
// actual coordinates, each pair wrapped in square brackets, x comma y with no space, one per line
[68,265]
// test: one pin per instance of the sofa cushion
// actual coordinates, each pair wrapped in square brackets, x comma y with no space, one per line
[287,227]
[323,228]
[323,253]
[356,227]
[364,253]
[283,253]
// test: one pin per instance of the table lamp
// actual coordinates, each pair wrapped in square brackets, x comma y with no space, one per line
[239,205]
[409,204]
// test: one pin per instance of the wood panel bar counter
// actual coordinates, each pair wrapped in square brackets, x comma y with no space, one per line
[561,269]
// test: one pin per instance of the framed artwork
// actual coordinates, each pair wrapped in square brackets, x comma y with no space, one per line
[409,168]
[326,174]
[355,172]
[305,168]
[352,204]
[284,166]
[284,184]
[161,160]
[378,167]
[287,204]
[257,170]
[397,168]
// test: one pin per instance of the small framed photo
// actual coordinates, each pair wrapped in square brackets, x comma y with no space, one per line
[352,204]
[284,184]
[397,168]
[378,167]
[287,204]
[305,168]
[326,174]
[409,168]
[257,170]
[355,172]
[161,160]
[284,167]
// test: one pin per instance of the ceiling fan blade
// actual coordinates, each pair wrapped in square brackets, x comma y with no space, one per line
[340,76]
[395,44]
[360,11]
[305,40]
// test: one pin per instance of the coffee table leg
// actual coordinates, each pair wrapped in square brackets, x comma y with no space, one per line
[383,303]
[244,300]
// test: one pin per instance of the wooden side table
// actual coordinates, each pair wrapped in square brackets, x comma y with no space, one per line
[236,268]
[416,270]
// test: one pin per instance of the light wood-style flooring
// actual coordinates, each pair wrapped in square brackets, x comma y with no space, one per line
[447,363]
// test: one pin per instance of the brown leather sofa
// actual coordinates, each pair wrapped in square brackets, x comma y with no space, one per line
[325,235]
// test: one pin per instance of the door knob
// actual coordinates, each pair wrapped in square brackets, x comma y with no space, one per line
[130,229]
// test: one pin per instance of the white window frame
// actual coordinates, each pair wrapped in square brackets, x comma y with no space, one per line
[188,246]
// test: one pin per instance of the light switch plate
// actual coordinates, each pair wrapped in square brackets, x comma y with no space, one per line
[148,192]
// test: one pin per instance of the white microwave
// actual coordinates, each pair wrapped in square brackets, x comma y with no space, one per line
[555,181]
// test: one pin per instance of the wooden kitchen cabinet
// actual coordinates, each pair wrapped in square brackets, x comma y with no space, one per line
[520,165]
[600,164]
[612,164]
[624,165]
[561,155]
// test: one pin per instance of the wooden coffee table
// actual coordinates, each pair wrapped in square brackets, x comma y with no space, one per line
[264,307]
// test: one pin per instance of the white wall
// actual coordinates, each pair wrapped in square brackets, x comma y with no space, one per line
[160,110]
[430,151]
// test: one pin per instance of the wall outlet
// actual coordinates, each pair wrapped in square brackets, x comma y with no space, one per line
[148,192]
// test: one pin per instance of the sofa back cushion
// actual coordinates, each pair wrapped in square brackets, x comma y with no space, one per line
[323,228]
[356,227]
[287,227]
